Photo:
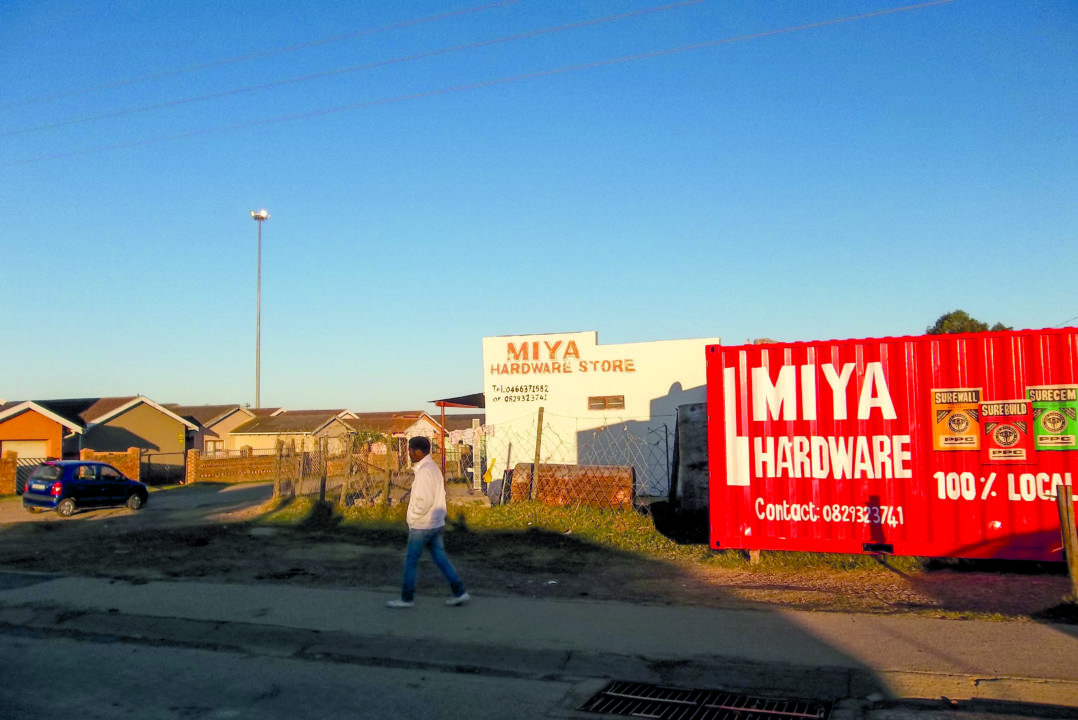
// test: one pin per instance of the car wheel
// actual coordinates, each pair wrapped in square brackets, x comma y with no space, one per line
[134,502]
[66,507]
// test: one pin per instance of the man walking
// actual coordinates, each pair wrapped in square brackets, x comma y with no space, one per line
[426,523]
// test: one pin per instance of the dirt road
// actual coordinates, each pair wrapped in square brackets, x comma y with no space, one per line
[191,504]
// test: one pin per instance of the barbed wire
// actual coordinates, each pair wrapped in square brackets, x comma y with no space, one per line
[253,56]
[463,87]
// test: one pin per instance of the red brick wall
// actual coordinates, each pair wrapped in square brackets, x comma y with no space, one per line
[8,465]
[126,462]
[257,468]
[592,485]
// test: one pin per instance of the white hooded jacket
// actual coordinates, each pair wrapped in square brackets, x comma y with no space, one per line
[426,506]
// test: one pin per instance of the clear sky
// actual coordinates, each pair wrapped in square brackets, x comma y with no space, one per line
[438,171]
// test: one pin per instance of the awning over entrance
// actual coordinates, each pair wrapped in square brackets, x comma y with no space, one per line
[475,400]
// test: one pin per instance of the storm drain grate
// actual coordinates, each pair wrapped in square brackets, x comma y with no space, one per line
[666,703]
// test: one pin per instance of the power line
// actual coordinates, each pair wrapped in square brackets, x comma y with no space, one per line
[350,69]
[476,85]
[256,55]
[1071,319]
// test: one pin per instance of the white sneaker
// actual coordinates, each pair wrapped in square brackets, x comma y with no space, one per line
[459,600]
[400,604]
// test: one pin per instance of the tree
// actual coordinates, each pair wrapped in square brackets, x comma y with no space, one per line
[959,321]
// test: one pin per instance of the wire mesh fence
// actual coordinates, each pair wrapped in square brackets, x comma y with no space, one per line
[364,473]
[616,463]
[580,462]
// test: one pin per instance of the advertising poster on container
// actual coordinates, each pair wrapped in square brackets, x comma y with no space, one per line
[1055,415]
[936,445]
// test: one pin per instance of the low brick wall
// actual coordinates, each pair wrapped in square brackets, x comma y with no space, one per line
[8,469]
[126,462]
[247,468]
[299,468]
[592,485]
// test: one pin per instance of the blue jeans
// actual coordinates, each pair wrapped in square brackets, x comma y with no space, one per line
[432,538]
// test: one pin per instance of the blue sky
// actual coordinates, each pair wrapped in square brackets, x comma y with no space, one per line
[853,179]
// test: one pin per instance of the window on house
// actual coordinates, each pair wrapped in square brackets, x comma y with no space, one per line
[213,446]
[606,402]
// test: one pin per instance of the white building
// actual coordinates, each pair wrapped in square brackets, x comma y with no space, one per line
[602,404]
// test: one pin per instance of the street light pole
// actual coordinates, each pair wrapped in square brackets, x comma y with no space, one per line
[259,216]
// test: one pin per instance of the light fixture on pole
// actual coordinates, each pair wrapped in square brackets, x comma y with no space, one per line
[259,216]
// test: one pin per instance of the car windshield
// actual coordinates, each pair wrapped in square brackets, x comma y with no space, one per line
[47,472]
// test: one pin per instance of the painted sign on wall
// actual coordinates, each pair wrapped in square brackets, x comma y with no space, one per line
[942,445]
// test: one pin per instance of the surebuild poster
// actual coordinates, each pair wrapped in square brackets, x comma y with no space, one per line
[937,445]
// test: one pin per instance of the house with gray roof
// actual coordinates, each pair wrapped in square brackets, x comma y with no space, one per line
[114,424]
[298,429]
[215,424]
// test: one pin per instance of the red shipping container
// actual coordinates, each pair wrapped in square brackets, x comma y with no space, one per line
[871,445]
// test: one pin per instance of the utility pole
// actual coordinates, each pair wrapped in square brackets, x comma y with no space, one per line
[259,216]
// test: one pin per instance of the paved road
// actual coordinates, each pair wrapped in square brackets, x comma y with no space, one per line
[97,648]
[112,678]
[185,504]
[67,678]
[823,655]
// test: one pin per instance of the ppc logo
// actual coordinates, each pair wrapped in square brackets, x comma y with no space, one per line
[1054,421]
[1006,436]
[958,423]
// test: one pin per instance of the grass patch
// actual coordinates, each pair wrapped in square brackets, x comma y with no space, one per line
[624,530]
[793,561]
[634,532]
[310,513]
[627,531]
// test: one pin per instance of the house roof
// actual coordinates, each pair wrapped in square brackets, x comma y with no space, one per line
[337,412]
[289,423]
[387,423]
[84,410]
[207,415]
[91,411]
[265,412]
[462,421]
[11,409]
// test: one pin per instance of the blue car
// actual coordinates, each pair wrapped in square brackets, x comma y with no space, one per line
[67,486]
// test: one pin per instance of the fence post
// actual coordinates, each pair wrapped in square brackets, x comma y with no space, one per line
[477,456]
[323,448]
[389,471]
[194,460]
[277,470]
[538,446]
[1070,535]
